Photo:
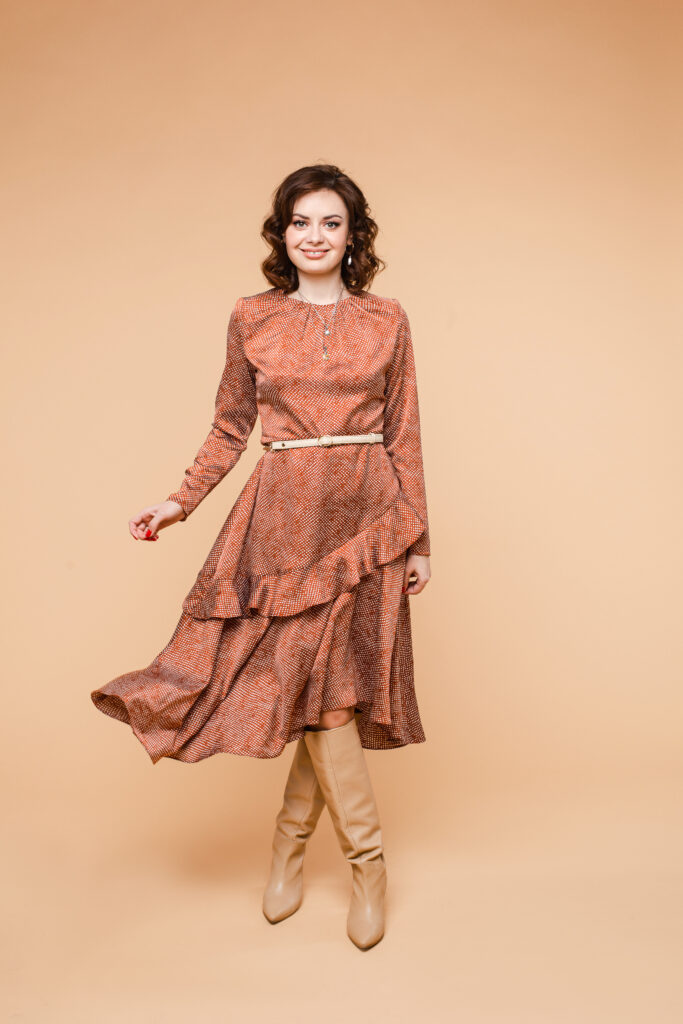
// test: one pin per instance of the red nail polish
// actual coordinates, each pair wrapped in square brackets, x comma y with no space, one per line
[148,533]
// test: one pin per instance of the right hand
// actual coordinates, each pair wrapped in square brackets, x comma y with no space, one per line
[155,518]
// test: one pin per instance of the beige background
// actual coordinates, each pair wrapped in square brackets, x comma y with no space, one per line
[523,161]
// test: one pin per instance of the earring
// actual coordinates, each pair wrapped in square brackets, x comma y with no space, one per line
[348,259]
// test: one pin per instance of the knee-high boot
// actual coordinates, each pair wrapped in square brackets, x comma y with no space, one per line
[302,805]
[340,765]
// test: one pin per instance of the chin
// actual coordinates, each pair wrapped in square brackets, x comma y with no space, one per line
[311,266]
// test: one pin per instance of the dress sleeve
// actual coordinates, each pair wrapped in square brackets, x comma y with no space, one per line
[401,429]
[234,419]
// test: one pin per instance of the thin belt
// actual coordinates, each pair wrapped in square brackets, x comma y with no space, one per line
[325,440]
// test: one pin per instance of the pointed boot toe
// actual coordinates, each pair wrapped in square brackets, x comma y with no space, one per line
[284,892]
[365,922]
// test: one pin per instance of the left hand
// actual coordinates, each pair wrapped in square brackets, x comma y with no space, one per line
[416,565]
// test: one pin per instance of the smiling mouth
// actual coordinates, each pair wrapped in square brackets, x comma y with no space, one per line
[315,252]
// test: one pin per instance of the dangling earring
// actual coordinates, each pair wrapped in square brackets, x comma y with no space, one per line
[348,259]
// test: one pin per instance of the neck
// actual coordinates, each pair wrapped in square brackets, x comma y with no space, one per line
[321,288]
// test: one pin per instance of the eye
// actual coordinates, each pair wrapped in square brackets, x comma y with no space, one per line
[330,223]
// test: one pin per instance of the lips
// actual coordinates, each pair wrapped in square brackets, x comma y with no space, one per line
[315,254]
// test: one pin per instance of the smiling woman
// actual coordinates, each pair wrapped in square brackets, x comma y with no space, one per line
[297,627]
[322,236]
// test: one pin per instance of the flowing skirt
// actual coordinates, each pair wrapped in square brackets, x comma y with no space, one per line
[297,610]
[249,685]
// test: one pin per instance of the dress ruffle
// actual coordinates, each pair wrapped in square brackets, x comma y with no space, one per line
[291,592]
[345,510]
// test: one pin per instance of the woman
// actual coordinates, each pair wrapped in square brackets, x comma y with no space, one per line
[298,620]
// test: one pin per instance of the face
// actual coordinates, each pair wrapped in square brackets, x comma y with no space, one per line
[318,232]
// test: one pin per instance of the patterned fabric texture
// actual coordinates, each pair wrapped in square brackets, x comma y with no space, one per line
[298,607]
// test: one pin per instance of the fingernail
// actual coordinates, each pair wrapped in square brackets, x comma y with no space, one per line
[148,533]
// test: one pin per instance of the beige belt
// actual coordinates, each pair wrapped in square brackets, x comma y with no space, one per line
[326,440]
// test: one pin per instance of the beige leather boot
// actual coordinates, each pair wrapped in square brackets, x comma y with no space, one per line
[302,805]
[340,765]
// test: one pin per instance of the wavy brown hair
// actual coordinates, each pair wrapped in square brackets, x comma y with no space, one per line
[277,266]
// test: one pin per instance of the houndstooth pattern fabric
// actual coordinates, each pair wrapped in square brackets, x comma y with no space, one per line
[298,607]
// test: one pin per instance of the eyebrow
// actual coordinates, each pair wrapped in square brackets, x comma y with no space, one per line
[327,216]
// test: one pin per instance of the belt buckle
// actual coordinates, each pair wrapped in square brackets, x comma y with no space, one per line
[325,440]
[267,446]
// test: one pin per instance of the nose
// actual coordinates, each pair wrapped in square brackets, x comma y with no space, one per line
[315,236]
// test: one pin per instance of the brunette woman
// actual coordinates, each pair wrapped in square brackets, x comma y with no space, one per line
[297,628]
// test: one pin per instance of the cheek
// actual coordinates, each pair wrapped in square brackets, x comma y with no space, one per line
[292,237]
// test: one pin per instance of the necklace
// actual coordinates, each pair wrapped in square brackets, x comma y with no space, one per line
[326,329]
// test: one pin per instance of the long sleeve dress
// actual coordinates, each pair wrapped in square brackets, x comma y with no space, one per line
[298,607]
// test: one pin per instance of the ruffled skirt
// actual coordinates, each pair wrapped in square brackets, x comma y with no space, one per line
[297,610]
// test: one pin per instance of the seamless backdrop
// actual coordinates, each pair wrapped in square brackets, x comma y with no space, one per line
[523,161]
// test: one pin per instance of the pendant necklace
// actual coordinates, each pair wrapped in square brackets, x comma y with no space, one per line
[326,329]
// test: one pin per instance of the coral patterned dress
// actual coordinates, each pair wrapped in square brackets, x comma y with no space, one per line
[298,607]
